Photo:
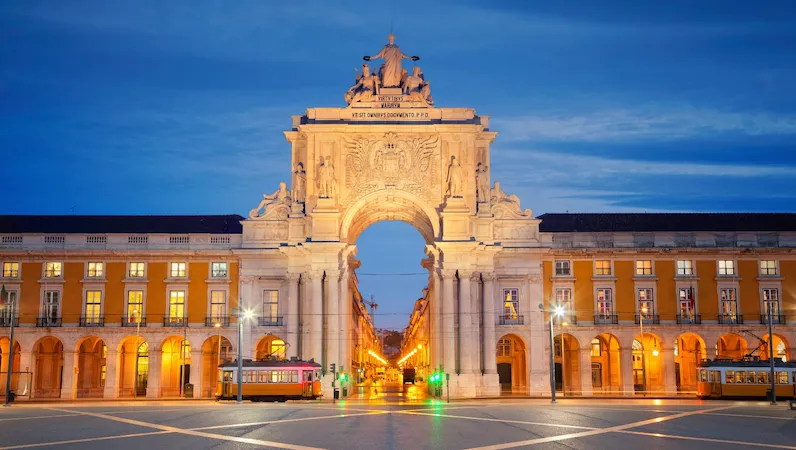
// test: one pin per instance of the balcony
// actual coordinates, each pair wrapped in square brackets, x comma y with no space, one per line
[48,322]
[222,321]
[730,319]
[566,319]
[653,319]
[775,319]
[511,320]
[694,319]
[606,319]
[271,321]
[6,322]
[175,322]
[131,322]
[92,321]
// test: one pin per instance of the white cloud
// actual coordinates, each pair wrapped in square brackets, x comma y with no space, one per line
[641,124]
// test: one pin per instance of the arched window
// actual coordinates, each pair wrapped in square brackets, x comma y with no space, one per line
[278,349]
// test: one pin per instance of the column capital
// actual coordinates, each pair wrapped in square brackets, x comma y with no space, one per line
[315,274]
[332,274]
[447,273]
[292,276]
[345,275]
[475,276]
[489,276]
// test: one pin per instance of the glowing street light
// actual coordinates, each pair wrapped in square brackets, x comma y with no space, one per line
[246,314]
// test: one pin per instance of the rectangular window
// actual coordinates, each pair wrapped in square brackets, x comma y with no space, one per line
[10,270]
[219,270]
[768,267]
[729,376]
[729,305]
[271,306]
[176,305]
[52,270]
[685,267]
[52,306]
[604,302]
[563,268]
[136,270]
[644,267]
[93,307]
[135,306]
[602,267]
[5,311]
[564,299]
[740,377]
[177,270]
[596,347]
[782,377]
[218,305]
[771,302]
[687,303]
[726,267]
[504,347]
[646,306]
[95,270]
[511,303]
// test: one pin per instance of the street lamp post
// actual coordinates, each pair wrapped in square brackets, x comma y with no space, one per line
[771,356]
[559,311]
[218,325]
[10,365]
[643,361]
[247,314]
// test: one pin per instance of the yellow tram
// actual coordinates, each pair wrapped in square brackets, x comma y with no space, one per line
[746,378]
[271,380]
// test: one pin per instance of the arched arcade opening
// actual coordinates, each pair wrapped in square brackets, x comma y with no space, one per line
[689,350]
[48,354]
[133,367]
[91,367]
[606,376]
[512,366]
[567,364]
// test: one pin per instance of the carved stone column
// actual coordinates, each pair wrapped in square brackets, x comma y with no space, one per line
[490,341]
[345,322]
[292,314]
[153,377]
[313,338]
[111,373]
[626,365]
[332,317]
[448,325]
[475,321]
[669,376]
[196,372]
[465,328]
[437,358]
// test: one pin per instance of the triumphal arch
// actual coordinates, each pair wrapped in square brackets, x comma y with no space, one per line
[393,154]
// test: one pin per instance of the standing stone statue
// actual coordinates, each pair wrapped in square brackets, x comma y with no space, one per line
[391,71]
[454,178]
[299,184]
[482,183]
[326,179]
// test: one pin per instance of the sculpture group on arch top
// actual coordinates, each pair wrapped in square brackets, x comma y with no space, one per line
[431,162]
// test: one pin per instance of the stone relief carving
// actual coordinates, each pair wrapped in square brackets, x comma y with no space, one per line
[391,72]
[455,179]
[405,164]
[512,231]
[326,182]
[506,206]
[534,279]
[299,184]
[274,207]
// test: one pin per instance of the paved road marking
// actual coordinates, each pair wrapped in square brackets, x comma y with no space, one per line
[38,417]
[79,441]
[300,419]
[487,419]
[598,431]
[751,416]
[221,437]
[719,441]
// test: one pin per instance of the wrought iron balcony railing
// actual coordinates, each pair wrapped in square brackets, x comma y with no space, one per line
[609,319]
[131,322]
[729,319]
[566,319]
[511,320]
[775,319]
[685,319]
[48,322]
[270,321]
[652,319]
[92,321]
[175,322]
[221,321]
[6,321]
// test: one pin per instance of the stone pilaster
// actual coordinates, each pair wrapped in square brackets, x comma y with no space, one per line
[437,340]
[112,375]
[465,328]
[314,335]
[626,356]
[70,376]
[448,325]
[490,340]
[153,378]
[585,370]
[292,318]
[196,372]
[669,377]
[345,322]
[333,318]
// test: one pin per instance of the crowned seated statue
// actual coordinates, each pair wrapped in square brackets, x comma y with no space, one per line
[274,206]
[417,87]
[365,88]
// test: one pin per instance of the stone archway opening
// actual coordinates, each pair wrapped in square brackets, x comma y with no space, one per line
[647,363]
[731,346]
[133,369]
[689,350]
[270,347]
[512,365]
[216,350]
[567,364]
[781,348]
[7,352]
[48,353]
[175,369]
[91,367]
[606,376]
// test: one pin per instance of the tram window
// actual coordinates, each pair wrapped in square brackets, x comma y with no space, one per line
[277,376]
[762,377]
[294,376]
[740,377]
[262,376]
[750,377]
[782,377]
[729,377]
[307,375]
[703,375]
[715,376]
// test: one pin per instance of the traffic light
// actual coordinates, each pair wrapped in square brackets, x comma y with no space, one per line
[332,367]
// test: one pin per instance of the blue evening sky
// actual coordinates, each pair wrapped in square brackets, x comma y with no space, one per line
[177,107]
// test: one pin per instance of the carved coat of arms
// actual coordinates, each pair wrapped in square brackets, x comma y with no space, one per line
[405,163]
